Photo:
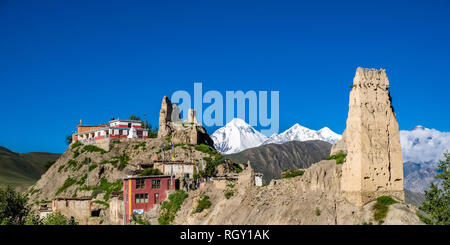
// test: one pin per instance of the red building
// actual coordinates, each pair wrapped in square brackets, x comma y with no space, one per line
[140,194]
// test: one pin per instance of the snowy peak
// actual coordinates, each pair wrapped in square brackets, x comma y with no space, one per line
[236,136]
[300,133]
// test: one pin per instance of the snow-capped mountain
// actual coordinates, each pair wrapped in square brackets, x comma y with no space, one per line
[422,149]
[236,136]
[300,133]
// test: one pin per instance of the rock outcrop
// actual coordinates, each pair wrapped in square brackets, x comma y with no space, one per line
[181,132]
[374,165]
[311,199]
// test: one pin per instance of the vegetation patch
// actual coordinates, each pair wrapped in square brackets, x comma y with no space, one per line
[93,148]
[139,220]
[150,171]
[202,204]
[170,207]
[104,187]
[339,157]
[123,161]
[317,212]
[67,183]
[236,167]
[292,173]
[436,206]
[76,145]
[93,166]
[101,203]
[381,208]
[228,194]
[141,145]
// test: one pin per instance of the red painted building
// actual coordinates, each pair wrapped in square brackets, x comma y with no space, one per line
[140,194]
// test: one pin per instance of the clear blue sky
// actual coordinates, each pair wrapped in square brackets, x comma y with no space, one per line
[65,60]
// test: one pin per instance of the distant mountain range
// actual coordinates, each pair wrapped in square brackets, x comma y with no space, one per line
[272,159]
[422,148]
[21,170]
[237,136]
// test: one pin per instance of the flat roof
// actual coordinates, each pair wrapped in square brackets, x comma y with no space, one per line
[107,127]
[146,177]
[126,120]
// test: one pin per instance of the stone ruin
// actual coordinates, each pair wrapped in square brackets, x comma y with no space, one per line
[181,132]
[371,140]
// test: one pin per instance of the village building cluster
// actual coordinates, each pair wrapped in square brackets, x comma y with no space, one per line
[117,129]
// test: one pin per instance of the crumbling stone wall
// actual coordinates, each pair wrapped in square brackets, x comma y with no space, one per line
[189,132]
[374,165]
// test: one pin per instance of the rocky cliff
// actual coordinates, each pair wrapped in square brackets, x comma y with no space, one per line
[181,132]
[313,198]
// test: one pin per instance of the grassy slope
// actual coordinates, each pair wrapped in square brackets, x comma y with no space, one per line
[22,170]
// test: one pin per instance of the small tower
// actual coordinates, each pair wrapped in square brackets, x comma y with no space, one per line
[374,165]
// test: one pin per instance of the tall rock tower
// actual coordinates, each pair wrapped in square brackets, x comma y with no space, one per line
[374,165]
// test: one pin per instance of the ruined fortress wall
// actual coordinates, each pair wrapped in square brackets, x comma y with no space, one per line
[374,165]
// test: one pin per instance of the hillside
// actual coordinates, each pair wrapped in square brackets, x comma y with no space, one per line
[86,171]
[22,170]
[272,159]
[311,199]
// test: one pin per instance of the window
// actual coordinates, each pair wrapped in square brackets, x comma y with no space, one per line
[156,184]
[140,183]
[156,198]
[168,184]
[141,198]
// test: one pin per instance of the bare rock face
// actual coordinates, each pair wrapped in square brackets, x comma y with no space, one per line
[188,132]
[165,117]
[374,165]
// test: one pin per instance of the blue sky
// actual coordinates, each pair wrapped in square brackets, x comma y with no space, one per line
[62,61]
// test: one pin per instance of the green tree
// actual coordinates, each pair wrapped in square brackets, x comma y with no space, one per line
[69,139]
[437,198]
[13,207]
[58,219]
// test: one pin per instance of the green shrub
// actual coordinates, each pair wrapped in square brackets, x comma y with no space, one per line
[202,204]
[75,145]
[72,164]
[317,212]
[102,203]
[339,157]
[381,208]
[292,173]
[123,161]
[170,207]
[139,220]
[104,187]
[93,148]
[93,166]
[82,181]
[150,171]
[58,219]
[228,194]
[76,154]
[237,168]
[67,183]
[142,145]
